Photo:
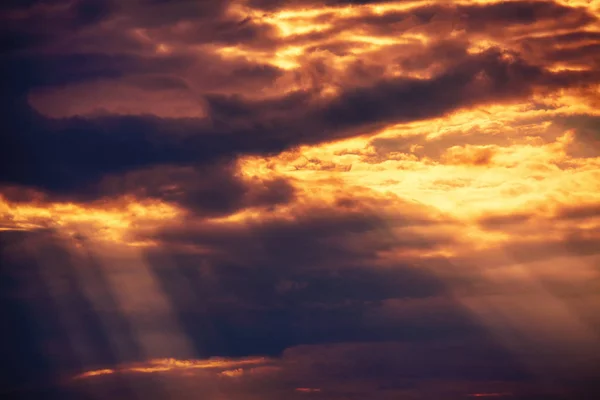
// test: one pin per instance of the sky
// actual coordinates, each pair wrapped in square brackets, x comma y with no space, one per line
[309,199]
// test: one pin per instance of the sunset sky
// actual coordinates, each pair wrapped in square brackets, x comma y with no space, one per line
[300,199]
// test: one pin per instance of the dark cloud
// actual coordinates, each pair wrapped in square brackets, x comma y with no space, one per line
[350,371]
[272,5]
[569,39]
[16,4]
[312,277]
[215,189]
[27,25]
[482,17]
[92,11]
[579,212]
[226,32]
[157,13]
[343,236]
[479,79]
[158,82]
[584,55]
[442,53]
[24,73]
[61,155]
[258,290]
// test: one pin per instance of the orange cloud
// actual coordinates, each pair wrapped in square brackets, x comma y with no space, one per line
[114,222]
[170,364]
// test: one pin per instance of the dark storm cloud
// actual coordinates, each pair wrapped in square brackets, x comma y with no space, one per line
[20,74]
[60,155]
[482,17]
[343,237]
[31,26]
[209,190]
[380,371]
[344,371]
[313,277]
[478,79]
[224,32]
[586,55]
[258,290]
[28,25]
[158,82]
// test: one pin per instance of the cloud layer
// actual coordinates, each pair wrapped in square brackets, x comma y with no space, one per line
[274,199]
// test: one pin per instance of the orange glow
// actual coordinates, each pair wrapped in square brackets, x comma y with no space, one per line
[232,373]
[98,372]
[229,367]
[465,180]
[113,222]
